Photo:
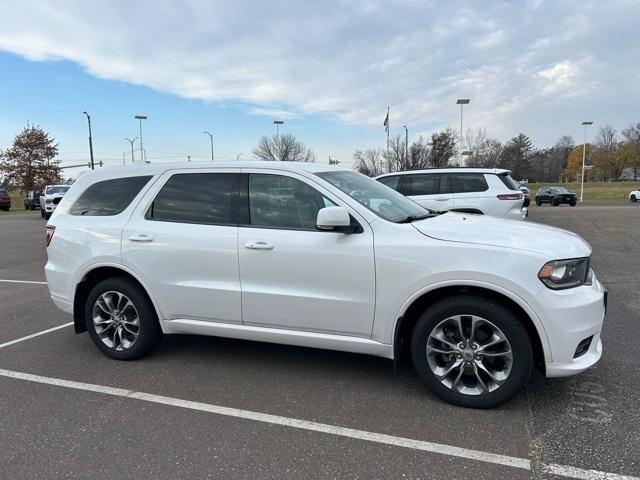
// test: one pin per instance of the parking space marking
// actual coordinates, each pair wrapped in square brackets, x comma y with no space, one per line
[23,281]
[442,449]
[33,335]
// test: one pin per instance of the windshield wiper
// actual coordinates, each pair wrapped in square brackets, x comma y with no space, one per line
[413,218]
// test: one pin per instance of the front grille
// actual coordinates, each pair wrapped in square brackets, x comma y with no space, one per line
[583,347]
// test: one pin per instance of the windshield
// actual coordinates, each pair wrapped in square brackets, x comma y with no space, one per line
[380,199]
[559,190]
[55,190]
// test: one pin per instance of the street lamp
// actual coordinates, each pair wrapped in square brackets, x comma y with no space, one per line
[210,138]
[406,145]
[90,140]
[277,123]
[584,154]
[132,142]
[140,118]
[461,102]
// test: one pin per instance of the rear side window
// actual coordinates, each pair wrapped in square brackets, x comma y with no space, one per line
[206,198]
[391,182]
[469,182]
[109,197]
[509,182]
[419,184]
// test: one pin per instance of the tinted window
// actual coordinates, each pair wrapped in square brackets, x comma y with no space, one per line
[277,201]
[446,183]
[109,197]
[469,182]
[207,198]
[509,182]
[391,182]
[419,184]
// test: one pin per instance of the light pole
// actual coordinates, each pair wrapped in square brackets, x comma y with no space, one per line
[277,123]
[132,142]
[210,138]
[584,154]
[140,118]
[461,102]
[90,140]
[406,146]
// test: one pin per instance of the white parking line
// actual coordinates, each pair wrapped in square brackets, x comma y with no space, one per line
[33,335]
[480,456]
[23,281]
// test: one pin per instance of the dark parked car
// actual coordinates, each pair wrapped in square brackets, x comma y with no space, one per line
[32,200]
[5,201]
[555,196]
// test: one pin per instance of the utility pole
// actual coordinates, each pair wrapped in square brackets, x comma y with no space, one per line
[210,138]
[406,146]
[277,123]
[90,141]
[333,161]
[188,158]
[140,118]
[461,102]
[132,142]
[584,154]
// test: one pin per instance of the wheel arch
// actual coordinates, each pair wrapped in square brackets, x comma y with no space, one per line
[90,279]
[413,308]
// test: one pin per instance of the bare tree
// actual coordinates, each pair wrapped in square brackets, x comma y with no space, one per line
[443,147]
[606,158]
[369,162]
[419,154]
[632,136]
[284,148]
[486,151]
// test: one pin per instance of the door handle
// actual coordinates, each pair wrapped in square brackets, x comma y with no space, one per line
[142,238]
[254,245]
[442,199]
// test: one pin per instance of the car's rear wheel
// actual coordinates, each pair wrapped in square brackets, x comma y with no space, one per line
[471,351]
[121,319]
[573,202]
[633,198]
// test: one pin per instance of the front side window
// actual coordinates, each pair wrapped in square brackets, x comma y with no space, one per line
[420,184]
[109,197]
[205,198]
[278,201]
[380,199]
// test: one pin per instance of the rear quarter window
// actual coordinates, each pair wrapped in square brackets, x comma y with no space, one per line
[109,197]
[391,181]
[509,182]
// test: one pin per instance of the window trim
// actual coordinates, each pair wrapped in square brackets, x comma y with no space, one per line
[171,173]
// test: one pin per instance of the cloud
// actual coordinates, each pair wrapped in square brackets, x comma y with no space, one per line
[347,59]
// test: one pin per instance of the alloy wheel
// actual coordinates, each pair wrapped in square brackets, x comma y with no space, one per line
[116,320]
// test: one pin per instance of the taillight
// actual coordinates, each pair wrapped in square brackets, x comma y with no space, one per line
[50,231]
[511,196]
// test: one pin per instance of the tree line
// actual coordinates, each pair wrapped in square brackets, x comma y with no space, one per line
[613,155]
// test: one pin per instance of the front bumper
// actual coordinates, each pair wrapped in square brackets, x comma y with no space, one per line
[571,316]
[49,207]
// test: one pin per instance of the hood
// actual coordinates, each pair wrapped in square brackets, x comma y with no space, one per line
[551,242]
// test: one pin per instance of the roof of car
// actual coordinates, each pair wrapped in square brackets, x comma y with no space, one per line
[449,170]
[159,167]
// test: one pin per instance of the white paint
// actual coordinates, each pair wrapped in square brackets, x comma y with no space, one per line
[23,281]
[33,335]
[452,451]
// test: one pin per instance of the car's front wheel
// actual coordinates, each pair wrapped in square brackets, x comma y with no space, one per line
[471,351]
[538,202]
[121,319]
[633,198]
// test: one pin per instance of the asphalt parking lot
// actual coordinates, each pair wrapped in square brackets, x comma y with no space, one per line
[219,408]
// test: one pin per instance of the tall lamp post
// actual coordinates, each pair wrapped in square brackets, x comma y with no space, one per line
[277,123]
[584,155]
[132,142]
[406,145]
[140,118]
[90,140]
[461,102]
[210,138]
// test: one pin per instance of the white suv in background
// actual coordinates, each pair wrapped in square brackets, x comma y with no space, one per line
[488,191]
[51,196]
[284,252]
[634,196]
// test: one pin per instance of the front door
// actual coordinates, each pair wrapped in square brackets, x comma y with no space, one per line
[294,276]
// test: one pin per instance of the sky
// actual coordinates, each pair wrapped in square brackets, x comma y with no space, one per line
[328,69]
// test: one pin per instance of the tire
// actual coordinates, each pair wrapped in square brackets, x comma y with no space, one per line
[538,202]
[555,203]
[47,215]
[495,315]
[572,203]
[633,198]
[42,213]
[148,329]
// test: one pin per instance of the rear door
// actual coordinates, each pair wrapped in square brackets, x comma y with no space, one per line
[182,241]
[423,188]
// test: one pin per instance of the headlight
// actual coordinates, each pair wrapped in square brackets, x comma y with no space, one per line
[48,200]
[560,274]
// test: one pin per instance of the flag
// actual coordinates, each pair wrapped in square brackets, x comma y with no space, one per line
[386,122]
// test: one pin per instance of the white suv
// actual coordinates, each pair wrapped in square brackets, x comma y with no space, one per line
[50,198]
[634,196]
[324,257]
[488,191]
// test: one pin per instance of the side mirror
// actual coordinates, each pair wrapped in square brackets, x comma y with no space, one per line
[334,219]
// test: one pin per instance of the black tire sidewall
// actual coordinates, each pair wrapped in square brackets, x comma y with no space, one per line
[500,316]
[150,332]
